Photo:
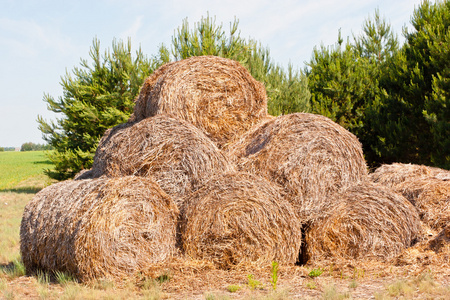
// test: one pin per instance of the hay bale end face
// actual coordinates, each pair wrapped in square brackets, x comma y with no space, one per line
[175,153]
[217,95]
[365,221]
[309,155]
[239,218]
[98,228]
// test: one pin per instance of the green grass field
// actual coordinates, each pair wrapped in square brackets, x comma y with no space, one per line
[21,176]
[23,171]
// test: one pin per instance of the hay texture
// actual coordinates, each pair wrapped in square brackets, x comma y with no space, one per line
[441,243]
[427,188]
[309,155]
[431,197]
[365,221]
[175,153]
[99,228]
[239,218]
[393,174]
[215,94]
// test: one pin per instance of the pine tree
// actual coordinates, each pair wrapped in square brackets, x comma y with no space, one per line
[344,81]
[414,117]
[96,96]
[342,85]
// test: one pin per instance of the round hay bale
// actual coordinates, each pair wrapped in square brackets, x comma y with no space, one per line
[239,218]
[217,95]
[392,174]
[99,228]
[175,153]
[431,197]
[309,155]
[365,221]
[139,112]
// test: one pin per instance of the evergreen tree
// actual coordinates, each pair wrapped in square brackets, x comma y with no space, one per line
[428,49]
[377,42]
[344,81]
[414,118]
[342,85]
[96,96]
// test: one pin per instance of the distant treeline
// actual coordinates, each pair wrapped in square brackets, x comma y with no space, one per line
[7,149]
[35,147]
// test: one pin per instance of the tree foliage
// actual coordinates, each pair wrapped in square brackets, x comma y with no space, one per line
[344,79]
[414,119]
[97,95]
[395,99]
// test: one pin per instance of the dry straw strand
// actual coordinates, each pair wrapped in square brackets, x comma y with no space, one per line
[365,221]
[309,155]
[217,95]
[175,153]
[238,218]
[106,227]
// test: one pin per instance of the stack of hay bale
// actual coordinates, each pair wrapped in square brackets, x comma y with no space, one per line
[202,170]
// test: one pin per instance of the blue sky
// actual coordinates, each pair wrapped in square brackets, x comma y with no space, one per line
[41,39]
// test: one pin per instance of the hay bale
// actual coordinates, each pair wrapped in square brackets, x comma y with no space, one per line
[431,197]
[175,153]
[309,155]
[365,221]
[139,112]
[238,218]
[215,94]
[392,174]
[427,188]
[106,227]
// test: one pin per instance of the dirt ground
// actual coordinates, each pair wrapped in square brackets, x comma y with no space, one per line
[413,275]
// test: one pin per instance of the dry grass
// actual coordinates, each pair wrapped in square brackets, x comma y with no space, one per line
[396,173]
[431,254]
[427,188]
[365,221]
[309,155]
[238,218]
[441,243]
[175,153]
[98,228]
[431,197]
[215,94]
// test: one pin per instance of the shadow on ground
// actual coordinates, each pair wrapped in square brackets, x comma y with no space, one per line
[22,190]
